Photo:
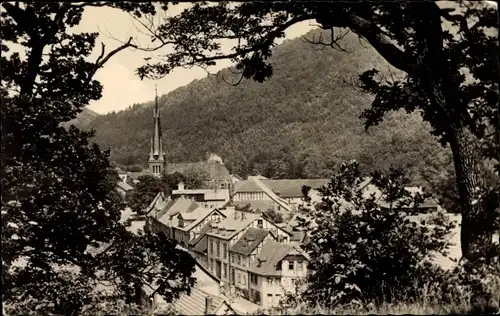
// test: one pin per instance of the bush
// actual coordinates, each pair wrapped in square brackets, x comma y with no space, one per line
[361,253]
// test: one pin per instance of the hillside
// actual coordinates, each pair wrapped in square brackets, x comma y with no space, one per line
[84,118]
[301,123]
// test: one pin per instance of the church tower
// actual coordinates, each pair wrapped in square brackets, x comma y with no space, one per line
[157,157]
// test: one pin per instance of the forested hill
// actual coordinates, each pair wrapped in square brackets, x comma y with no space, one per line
[84,118]
[301,123]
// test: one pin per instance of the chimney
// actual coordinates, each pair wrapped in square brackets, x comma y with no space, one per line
[208,305]
[180,186]
[242,215]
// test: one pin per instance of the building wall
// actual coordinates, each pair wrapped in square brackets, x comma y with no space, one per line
[218,253]
[251,196]
[273,288]
[267,225]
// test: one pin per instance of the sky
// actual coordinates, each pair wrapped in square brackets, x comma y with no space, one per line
[121,86]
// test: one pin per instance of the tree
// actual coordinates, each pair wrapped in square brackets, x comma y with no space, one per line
[195,177]
[172,180]
[361,252]
[145,191]
[58,189]
[444,59]
[274,216]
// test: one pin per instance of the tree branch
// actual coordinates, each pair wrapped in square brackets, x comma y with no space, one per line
[102,59]
[372,33]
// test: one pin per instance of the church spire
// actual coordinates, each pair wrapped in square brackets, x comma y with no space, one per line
[156,154]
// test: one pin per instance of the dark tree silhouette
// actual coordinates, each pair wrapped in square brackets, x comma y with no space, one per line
[446,58]
[145,191]
[362,252]
[58,189]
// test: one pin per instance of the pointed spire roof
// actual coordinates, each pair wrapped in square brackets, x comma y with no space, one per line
[157,152]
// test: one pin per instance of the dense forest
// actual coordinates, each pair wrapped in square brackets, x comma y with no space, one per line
[302,122]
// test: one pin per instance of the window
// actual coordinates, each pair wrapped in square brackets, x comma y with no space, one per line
[269,299]
[290,265]
[257,296]
[243,279]
[270,281]
[238,257]
[225,250]
[299,266]
[260,222]
[211,247]
[225,271]
[217,249]
[253,278]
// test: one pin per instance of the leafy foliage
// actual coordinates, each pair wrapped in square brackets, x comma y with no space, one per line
[58,189]
[360,252]
[275,216]
[145,191]
[195,177]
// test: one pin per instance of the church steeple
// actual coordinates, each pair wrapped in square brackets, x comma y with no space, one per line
[157,157]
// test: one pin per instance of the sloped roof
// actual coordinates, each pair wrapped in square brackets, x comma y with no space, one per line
[215,169]
[268,258]
[202,217]
[231,226]
[254,184]
[249,241]
[203,230]
[174,207]
[194,217]
[292,188]
[247,186]
[202,244]
[125,186]
[160,197]
[194,303]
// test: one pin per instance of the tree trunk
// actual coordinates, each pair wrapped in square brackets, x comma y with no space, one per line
[475,237]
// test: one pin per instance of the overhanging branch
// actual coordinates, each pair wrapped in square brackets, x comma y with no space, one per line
[372,33]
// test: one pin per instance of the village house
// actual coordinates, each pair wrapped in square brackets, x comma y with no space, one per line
[279,195]
[161,212]
[276,271]
[187,225]
[243,253]
[252,191]
[124,189]
[210,198]
[222,236]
